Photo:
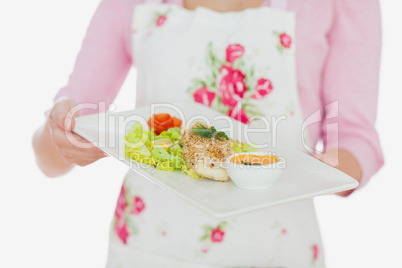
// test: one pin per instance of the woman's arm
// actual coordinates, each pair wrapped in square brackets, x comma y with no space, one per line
[100,69]
[351,77]
[105,56]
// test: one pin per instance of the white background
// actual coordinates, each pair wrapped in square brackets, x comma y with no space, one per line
[64,222]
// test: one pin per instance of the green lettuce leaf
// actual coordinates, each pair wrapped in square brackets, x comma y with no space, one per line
[172,134]
[239,147]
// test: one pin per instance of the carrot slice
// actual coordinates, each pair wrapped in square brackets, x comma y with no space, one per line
[158,129]
[153,124]
[176,122]
[162,117]
[161,122]
[167,123]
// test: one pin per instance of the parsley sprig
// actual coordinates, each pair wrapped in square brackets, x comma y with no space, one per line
[209,133]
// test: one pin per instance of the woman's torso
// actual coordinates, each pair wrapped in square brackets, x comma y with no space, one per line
[157,221]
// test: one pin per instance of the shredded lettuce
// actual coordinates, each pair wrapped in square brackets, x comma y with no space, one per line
[176,150]
[137,136]
[160,153]
[138,146]
[172,133]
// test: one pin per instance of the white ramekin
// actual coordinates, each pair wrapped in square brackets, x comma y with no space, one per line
[255,177]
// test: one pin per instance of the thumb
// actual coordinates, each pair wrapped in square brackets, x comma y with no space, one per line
[69,121]
[64,113]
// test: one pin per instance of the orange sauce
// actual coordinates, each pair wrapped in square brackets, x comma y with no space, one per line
[252,159]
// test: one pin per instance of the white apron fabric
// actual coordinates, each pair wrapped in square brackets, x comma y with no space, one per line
[218,59]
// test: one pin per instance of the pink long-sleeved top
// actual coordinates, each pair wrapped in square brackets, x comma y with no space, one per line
[338,59]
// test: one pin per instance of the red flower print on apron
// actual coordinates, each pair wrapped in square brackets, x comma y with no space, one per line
[124,224]
[316,252]
[284,41]
[160,20]
[121,230]
[234,52]
[217,235]
[121,204]
[212,235]
[138,205]
[204,96]
[263,88]
[231,86]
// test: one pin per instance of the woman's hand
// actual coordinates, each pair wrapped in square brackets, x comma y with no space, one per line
[347,163]
[55,144]
[333,162]
[61,123]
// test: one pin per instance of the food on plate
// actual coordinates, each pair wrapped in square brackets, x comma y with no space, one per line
[208,132]
[253,159]
[162,122]
[165,143]
[205,150]
[197,152]
[161,151]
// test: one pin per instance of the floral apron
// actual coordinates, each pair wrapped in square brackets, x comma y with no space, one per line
[241,64]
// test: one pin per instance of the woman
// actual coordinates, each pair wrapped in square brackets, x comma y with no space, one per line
[241,63]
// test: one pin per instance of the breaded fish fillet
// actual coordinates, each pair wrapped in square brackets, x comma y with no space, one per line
[206,155]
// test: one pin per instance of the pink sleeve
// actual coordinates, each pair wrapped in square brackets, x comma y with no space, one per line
[351,77]
[105,57]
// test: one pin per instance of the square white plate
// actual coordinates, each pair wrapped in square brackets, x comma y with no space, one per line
[304,176]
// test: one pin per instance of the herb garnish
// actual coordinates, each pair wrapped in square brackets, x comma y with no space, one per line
[209,133]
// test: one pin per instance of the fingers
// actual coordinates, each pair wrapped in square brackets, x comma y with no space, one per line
[327,159]
[73,148]
[64,139]
[63,113]
[81,158]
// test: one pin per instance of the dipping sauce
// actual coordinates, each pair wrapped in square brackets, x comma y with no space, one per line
[252,159]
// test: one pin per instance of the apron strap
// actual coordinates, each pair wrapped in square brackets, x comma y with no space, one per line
[279,4]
